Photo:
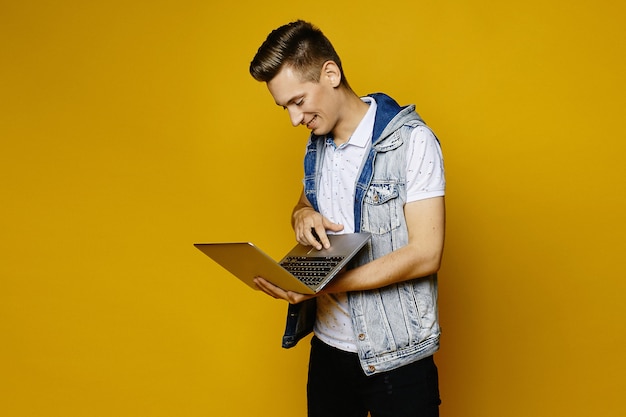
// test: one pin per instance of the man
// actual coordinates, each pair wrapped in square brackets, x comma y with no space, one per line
[370,166]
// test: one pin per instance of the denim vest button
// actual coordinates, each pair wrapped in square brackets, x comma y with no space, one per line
[371,368]
[362,336]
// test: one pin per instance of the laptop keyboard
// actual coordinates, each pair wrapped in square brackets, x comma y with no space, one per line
[310,270]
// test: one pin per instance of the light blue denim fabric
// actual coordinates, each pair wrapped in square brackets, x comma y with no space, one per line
[398,324]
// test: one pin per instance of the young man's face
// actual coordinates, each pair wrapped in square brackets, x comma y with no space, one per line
[308,103]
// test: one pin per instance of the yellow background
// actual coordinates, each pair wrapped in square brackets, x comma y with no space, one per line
[131,129]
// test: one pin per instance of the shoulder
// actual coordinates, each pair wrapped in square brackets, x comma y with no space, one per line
[423,133]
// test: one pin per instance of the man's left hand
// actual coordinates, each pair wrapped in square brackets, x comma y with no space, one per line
[277,292]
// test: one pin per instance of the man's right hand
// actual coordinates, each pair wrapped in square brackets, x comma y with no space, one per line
[310,226]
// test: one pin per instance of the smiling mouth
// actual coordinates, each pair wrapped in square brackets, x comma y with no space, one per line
[308,124]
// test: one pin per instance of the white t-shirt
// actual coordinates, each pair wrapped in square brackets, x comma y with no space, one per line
[340,168]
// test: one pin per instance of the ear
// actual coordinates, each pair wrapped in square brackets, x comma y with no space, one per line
[331,73]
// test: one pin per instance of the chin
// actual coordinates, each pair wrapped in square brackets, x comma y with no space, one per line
[318,131]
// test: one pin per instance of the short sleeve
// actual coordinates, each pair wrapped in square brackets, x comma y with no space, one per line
[425,173]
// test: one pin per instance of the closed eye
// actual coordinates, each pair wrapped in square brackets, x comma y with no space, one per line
[298,103]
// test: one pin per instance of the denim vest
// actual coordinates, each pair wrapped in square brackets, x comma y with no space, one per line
[397,324]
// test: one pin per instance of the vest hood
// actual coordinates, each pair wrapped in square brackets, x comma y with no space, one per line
[390,116]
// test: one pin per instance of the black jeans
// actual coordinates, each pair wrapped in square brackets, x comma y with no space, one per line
[338,387]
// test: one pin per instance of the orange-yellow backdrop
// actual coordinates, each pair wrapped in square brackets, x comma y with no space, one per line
[132,129]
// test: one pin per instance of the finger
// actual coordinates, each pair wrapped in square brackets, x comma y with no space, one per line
[307,236]
[301,236]
[269,288]
[335,227]
[316,237]
[321,239]
[278,293]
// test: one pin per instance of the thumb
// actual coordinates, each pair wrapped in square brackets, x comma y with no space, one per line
[335,227]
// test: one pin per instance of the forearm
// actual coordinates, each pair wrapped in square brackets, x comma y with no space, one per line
[403,264]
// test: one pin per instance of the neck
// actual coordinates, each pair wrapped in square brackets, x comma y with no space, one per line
[352,112]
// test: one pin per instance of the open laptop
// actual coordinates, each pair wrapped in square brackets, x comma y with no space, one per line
[303,269]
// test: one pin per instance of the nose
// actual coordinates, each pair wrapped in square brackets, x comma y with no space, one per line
[297,117]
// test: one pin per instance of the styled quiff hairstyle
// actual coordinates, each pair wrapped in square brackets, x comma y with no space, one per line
[299,45]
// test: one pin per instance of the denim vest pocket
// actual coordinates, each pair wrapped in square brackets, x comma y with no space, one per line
[382,210]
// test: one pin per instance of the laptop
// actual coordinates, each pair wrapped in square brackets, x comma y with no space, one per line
[303,269]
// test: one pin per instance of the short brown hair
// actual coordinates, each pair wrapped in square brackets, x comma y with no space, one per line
[299,45]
